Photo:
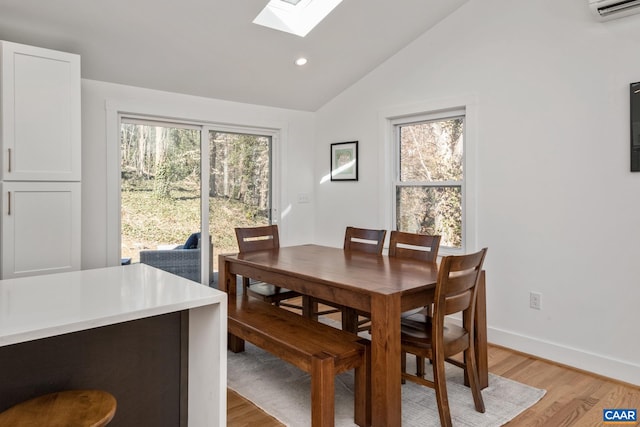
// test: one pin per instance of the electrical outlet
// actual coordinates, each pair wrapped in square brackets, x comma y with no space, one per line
[535,300]
[304,198]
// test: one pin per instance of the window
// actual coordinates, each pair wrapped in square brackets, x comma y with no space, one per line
[429,179]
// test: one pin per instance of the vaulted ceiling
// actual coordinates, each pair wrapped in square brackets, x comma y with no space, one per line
[211,48]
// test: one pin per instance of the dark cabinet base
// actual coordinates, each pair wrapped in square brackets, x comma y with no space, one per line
[143,363]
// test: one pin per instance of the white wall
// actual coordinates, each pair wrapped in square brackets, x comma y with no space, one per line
[297,134]
[556,203]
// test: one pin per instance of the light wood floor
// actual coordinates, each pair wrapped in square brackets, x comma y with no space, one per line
[573,398]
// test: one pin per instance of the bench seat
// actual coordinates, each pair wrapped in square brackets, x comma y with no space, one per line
[318,349]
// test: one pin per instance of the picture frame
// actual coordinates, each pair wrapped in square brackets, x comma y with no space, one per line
[344,161]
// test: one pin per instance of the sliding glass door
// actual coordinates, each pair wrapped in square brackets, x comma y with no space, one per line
[163,212]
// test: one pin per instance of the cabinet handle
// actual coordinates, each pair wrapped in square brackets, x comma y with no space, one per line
[9,204]
[9,160]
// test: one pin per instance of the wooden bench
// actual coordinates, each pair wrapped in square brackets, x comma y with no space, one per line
[318,349]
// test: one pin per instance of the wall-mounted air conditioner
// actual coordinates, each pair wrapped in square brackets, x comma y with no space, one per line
[605,10]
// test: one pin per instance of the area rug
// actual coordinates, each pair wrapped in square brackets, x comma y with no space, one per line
[283,391]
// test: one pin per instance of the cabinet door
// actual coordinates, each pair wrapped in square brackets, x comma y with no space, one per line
[40,228]
[40,114]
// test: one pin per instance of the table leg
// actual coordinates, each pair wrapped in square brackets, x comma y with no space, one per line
[386,398]
[227,282]
[481,332]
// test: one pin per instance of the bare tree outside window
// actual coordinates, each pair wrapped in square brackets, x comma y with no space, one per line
[429,186]
[161,184]
[239,184]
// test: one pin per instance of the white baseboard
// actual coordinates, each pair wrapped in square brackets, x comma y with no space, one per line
[598,364]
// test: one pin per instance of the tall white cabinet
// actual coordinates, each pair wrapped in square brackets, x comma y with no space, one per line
[41,140]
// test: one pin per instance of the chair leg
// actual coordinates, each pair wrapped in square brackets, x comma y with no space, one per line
[245,286]
[309,307]
[474,382]
[440,385]
[350,320]
[465,365]
[403,366]
[420,366]
[322,391]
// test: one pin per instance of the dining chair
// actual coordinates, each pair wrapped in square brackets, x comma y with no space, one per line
[430,337]
[360,240]
[260,238]
[421,247]
[364,240]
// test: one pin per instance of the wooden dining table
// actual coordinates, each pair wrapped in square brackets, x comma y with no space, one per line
[377,284]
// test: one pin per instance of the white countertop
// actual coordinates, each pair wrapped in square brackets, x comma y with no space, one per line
[43,306]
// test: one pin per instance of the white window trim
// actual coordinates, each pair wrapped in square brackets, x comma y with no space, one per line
[425,118]
[388,118]
[115,110]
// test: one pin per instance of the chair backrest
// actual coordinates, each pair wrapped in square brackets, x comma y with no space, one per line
[364,240]
[423,247]
[257,238]
[458,277]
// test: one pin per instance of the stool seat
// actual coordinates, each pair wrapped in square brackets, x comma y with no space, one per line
[70,408]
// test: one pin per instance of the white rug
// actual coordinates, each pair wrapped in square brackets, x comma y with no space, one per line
[283,391]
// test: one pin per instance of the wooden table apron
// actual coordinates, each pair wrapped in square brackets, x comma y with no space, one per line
[383,286]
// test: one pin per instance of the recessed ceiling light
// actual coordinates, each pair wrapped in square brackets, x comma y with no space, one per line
[301,61]
[295,16]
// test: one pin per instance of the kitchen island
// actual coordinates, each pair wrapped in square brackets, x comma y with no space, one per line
[154,340]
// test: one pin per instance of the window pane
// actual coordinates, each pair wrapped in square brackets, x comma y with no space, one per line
[160,190]
[431,210]
[432,151]
[239,185]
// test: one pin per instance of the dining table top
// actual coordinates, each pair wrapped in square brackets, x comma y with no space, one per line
[354,271]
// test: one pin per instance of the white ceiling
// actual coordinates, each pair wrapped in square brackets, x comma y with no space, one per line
[211,48]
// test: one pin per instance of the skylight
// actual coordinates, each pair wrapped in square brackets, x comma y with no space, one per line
[295,16]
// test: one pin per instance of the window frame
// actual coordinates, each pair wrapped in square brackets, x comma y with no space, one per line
[397,182]
[116,110]
[388,159]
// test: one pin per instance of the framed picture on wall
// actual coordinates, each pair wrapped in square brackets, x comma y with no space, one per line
[344,161]
[635,126]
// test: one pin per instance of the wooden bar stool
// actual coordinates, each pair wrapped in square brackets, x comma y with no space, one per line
[71,408]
